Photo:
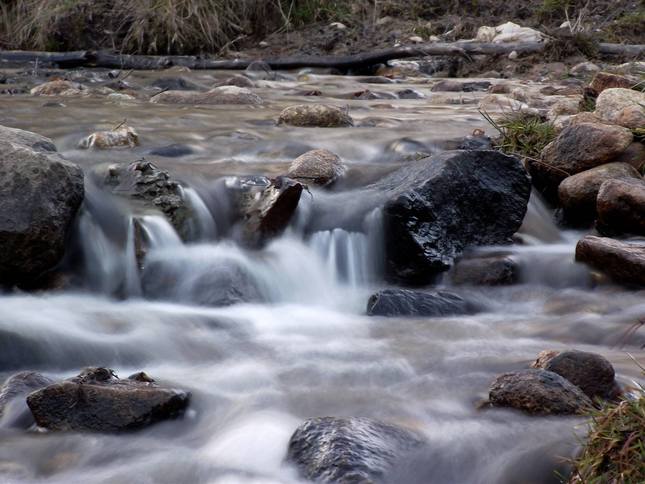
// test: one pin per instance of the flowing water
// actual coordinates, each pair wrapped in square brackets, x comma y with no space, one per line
[303,347]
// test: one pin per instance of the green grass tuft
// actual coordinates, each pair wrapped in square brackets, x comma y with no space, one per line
[522,134]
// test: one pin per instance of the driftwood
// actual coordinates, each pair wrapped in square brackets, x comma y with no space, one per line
[347,62]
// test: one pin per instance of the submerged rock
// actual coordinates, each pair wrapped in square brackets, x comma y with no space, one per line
[404,302]
[237,80]
[97,400]
[315,115]
[217,95]
[591,372]
[440,205]
[123,137]
[13,407]
[578,193]
[59,87]
[268,213]
[621,206]
[624,107]
[539,392]
[175,83]
[451,85]
[624,262]
[40,193]
[318,167]
[142,182]
[485,271]
[349,450]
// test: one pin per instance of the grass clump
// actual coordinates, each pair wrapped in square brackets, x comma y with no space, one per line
[628,25]
[615,450]
[522,134]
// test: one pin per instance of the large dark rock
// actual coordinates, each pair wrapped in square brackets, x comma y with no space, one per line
[349,450]
[578,192]
[621,206]
[267,213]
[13,407]
[97,400]
[40,193]
[438,206]
[151,188]
[485,271]
[404,302]
[538,391]
[591,372]
[624,262]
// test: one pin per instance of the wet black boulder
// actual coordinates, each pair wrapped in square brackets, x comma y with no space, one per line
[97,400]
[440,205]
[349,450]
[405,302]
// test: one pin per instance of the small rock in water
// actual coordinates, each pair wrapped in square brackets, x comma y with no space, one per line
[485,271]
[13,407]
[591,372]
[409,94]
[236,80]
[404,302]
[174,150]
[315,115]
[58,88]
[319,167]
[450,85]
[584,69]
[174,83]
[349,450]
[578,193]
[624,262]
[268,212]
[217,95]
[123,137]
[97,400]
[538,392]
[624,107]
[621,206]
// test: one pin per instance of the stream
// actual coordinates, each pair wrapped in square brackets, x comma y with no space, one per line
[305,347]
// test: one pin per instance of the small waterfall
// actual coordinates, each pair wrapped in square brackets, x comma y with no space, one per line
[158,232]
[201,225]
[132,283]
[538,226]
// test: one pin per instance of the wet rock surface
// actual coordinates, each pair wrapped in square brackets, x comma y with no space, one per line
[315,115]
[142,182]
[349,450]
[591,372]
[405,302]
[98,401]
[624,262]
[538,392]
[440,205]
[40,195]
[217,95]
[621,206]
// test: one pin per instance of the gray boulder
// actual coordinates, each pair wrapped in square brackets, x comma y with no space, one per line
[97,400]
[349,450]
[404,302]
[539,392]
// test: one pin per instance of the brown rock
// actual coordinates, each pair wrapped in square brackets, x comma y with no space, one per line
[539,392]
[320,167]
[621,206]
[217,95]
[591,372]
[624,262]
[624,107]
[97,400]
[577,148]
[58,87]
[315,115]
[578,193]
[124,137]
[606,80]
[485,271]
[237,80]
[634,155]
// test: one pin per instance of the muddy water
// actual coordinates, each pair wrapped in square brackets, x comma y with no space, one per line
[257,370]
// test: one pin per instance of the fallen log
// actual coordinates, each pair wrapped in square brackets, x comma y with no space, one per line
[355,61]
[78,58]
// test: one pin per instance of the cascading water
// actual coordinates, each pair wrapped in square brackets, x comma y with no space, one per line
[264,339]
